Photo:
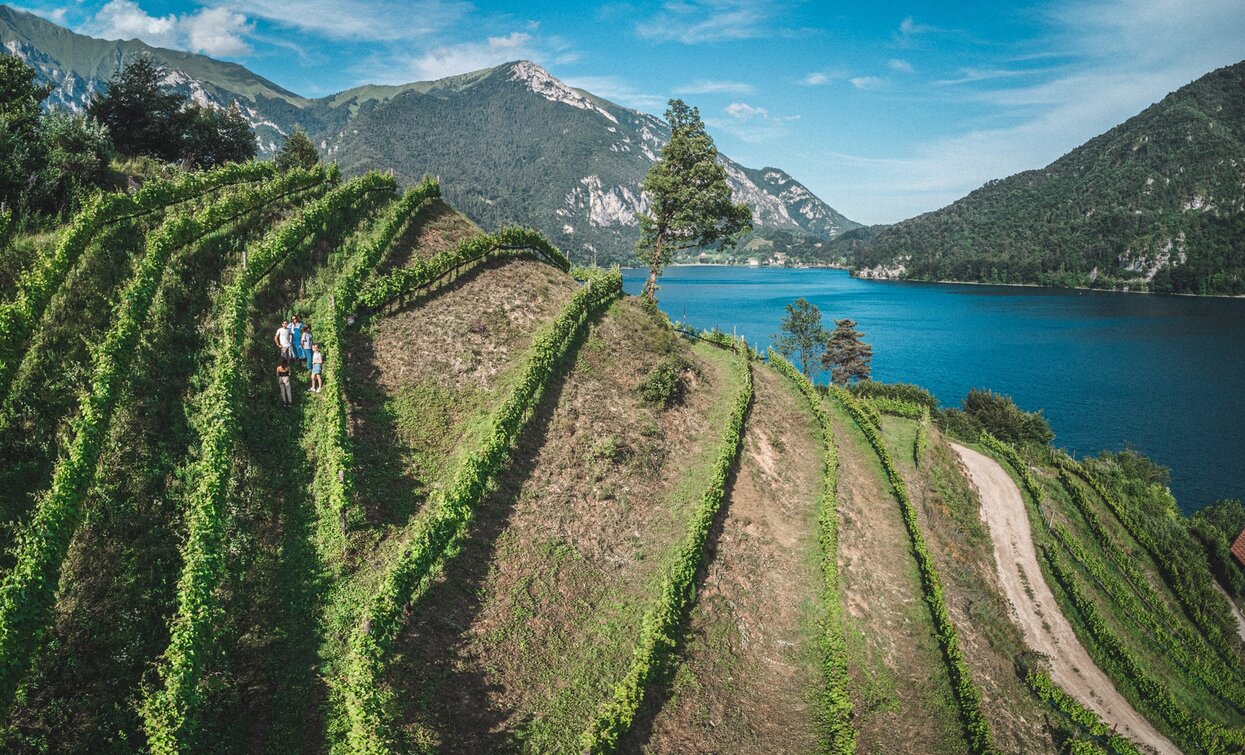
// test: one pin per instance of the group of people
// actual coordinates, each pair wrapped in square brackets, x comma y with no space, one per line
[295,344]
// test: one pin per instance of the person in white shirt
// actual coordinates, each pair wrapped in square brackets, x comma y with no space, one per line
[317,367]
[282,339]
[305,343]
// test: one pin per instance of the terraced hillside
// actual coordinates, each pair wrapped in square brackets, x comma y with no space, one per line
[526,514]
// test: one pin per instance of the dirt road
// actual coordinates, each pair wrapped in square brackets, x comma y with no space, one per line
[1044,626]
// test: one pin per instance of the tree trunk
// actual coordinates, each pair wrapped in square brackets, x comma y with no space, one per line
[654,269]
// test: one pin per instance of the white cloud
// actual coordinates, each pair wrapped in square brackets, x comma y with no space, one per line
[123,19]
[217,31]
[868,83]
[744,112]
[973,75]
[909,30]
[715,87]
[472,56]
[365,20]
[900,65]
[815,79]
[699,21]
[211,31]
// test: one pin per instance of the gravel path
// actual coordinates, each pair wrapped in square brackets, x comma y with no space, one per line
[1044,627]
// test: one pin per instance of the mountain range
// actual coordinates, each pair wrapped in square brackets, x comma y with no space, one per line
[511,144]
[1155,204]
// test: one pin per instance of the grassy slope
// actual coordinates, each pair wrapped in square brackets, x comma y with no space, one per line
[537,619]
[948,509]
[748,677]
[902,695]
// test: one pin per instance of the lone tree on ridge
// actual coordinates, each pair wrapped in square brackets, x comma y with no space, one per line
[689,200]
[847,356]
[803,337]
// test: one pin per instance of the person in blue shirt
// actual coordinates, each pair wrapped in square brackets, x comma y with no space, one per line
[296,330]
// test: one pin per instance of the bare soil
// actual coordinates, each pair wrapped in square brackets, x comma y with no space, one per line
[1044,626]
[749,676]
[436,228]
[901,694]
[536,619]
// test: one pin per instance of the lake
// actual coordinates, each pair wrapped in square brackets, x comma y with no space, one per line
[1164,374]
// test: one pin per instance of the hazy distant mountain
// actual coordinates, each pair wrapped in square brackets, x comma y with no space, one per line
[1156,203]
[512,144]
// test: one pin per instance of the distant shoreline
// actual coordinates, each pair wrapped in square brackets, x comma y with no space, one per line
[949,282]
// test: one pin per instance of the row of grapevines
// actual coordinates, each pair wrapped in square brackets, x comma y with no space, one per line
[1045,688]
[1206,735]
[1005,450]
[1190,579]
[837,704]
[36,285]
[438,536]
[511,238]
[896,407]
[330,432]
[658,631]
[1124,564]
[920,445]
[28,591]
[967,696]
[169,712]
[1198,659]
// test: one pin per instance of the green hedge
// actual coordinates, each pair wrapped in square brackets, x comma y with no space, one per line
[28,592]
[659,629]
[40,281]
[169,712]
[330,433]
[967,696]
[905,392]
[422,272]
[896,407]
[438,536]
[920,445]
[837,702]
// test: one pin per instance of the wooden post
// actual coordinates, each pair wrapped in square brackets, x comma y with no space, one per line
[243,259]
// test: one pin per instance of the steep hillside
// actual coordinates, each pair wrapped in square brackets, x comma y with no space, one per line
[524,513]
[1156,203]
[538,152]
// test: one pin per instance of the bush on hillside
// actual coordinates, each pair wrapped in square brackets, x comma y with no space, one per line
[1004,420]
[958,424]
[1216,527]
[913,394]
[666,385]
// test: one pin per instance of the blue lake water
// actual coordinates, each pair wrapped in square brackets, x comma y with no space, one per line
[1164,374]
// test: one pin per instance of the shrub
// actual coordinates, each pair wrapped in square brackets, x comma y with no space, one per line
[667,383]
[999,415]
[958,424]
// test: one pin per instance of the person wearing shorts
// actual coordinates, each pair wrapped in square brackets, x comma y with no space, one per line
[317,367]
[283,382]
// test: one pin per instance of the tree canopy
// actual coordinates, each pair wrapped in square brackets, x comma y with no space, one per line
[689,200]
[847,356]
[803,337]
[146,119]
[297,152]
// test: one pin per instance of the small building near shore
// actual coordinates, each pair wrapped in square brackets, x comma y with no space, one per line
[1238,548]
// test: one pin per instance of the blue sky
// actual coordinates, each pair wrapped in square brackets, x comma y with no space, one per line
[884,109]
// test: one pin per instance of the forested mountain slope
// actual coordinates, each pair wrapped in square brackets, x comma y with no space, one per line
[1156,203]
[512,144]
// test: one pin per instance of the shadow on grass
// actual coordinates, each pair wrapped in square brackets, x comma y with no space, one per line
[445,694]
